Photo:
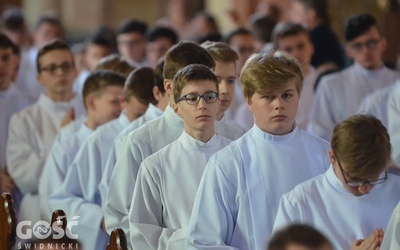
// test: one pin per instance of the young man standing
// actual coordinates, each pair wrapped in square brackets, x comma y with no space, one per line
[354,199]
[340,94]
[238,196]
[167,181]
[33,130]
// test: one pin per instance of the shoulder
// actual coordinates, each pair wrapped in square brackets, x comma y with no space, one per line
[311,138]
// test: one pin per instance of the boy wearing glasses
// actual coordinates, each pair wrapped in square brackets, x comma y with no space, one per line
[33,130]
[166,186]
[238,196]
[354,199]
[340,94]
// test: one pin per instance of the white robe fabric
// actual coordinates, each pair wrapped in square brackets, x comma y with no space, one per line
[141,143]
[31,135]
[70,129]
[327,205]
[391,238]
[306,99]
[151,113]
[394,122]
[238,111]
[165,190]
[11,101]
[339,96]
[79,195]
[57,164]
[238,196]
[377,104]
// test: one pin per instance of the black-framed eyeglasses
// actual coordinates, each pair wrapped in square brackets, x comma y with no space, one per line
[360,182]
[65,67]
[193,99]
[370,44]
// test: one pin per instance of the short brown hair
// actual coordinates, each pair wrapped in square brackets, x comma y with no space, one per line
[116,63]
[192,72]
[299,234]
[139,84]
[99,80]
[183,54]
[55,44]
[266,72]
[362,144]
[283,30]
[158,75]
[220,51]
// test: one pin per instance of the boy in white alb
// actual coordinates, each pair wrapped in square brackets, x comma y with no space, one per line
[167,181]
[153,111]
[101,91]
[295,40]
[238,196]
[339,94]
[79,195]
[33,130]
[391,239]
[153,136]
[354,199]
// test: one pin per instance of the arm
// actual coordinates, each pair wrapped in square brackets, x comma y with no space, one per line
[121,186]
[146,222]
[214,211]
[26,154]
[286,214]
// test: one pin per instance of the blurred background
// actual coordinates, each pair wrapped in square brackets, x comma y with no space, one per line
[81,16]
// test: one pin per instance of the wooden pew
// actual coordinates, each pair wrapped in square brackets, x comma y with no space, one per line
[117,240]
[8,222]
[60,218]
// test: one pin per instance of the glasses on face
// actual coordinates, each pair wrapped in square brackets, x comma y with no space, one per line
[65,67]
[370,44]
[193,99]
[360,182]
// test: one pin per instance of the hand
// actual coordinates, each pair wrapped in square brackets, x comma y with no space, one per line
[373,241]
[70,116]
[6,182]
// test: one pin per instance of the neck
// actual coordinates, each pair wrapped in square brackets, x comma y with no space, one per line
[161,106]
[61,97]
[306,69]
[220,115]
[201,135]
[90,123]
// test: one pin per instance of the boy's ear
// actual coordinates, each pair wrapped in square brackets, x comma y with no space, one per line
[176,109]
[332,157]
[168,86]
[122,101]
[89,101]
[157,93]
[248,102]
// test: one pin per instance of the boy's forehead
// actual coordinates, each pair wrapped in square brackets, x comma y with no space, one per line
[282,87]
[200,84]
[56,55]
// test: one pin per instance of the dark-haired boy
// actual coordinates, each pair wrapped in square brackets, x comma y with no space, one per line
[159,40]
[340,94]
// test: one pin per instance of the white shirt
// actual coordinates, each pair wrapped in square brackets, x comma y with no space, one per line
[377,104]
[238,196]
[141,143]
[238,110]
[151,113]
[306,99]
[79,195]
[391,238]
[11,101]
[326,204]
[31,135]
[57,165]
[394,122]
[164,193]
[339,96]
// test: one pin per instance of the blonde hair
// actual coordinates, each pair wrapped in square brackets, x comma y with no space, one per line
[116,63]
[266,72]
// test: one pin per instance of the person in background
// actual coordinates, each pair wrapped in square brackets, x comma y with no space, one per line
[131,42]
[33,130]
[159,41]
[295,40]
[339,94]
